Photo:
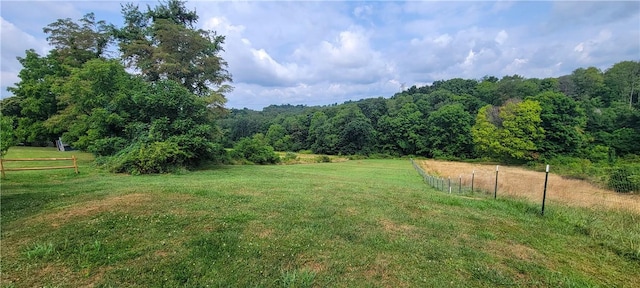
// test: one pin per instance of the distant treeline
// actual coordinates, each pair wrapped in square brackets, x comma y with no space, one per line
[589,114]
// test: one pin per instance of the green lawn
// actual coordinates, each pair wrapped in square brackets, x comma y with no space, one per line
[359,223]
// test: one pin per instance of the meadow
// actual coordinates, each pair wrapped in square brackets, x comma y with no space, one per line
[353,223]
[529,185]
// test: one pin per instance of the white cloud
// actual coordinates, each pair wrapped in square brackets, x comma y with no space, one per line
[14,43]
[501,37]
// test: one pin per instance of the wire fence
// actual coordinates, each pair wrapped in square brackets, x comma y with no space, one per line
[455,185]
[500,181]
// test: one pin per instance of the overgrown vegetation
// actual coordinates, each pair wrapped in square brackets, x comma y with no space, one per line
[355,223]
[158,121]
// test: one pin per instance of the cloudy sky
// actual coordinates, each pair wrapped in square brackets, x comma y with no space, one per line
[319,53]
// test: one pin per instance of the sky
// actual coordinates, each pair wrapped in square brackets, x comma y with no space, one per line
[326,52]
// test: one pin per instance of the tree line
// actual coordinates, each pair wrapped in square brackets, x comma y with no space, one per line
[514,119]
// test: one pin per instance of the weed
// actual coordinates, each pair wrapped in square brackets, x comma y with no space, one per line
[297,278]
[39,251]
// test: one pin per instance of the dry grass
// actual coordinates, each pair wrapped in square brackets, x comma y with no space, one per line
[528,184]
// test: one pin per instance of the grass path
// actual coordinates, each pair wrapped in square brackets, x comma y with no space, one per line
[364,223]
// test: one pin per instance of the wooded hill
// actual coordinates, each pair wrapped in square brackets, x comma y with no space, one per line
[589,113]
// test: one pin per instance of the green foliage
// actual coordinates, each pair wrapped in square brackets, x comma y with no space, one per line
[402,133]
[563,123]
[623,83]
[78,42]
[323,134]
[323,159]
[255,150]
[290,156]
[146,158]
[624,179]
[163,44]
[449,132]
[34,99]
[7,139]
[354,131]
[509,133]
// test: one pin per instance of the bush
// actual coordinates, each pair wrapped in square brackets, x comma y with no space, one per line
[357,157]
[255,150]
[624,180]
[323,159]
[290,156]
[147,158]
[107,146]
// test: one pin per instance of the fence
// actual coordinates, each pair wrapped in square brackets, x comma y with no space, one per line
[73,158]
[455,185]
[456,177]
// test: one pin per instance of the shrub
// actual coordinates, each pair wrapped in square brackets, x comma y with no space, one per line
[290,156]
[323,159]
[623,180]
[255,150]
[107,146]
[146,158]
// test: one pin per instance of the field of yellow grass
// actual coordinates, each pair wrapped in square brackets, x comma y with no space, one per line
[518,182]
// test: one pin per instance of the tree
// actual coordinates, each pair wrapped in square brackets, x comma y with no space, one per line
[97,101]
[623,82]
[78,42]
[323,135]
[563,122]
[588,83]
[34,99]
[449,132]
[6,134]
[354,131]
[278,138]
[510,134]
[161,43]
[515,87]
[403,133]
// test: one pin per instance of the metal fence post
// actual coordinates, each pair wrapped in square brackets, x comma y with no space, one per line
[544,195]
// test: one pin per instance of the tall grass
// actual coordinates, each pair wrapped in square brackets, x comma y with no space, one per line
[527,184]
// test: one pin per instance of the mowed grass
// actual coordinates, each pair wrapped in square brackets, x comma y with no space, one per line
[360,223]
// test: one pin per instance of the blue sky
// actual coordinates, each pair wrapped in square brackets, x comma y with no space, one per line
[318,53]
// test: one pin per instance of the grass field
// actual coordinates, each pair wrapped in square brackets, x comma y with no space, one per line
[527,184]
[359,223]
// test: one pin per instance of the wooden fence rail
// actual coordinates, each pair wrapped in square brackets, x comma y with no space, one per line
[73,158]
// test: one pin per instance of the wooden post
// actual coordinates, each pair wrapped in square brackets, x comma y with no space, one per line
[495,190]
[75,163]
[473,176]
